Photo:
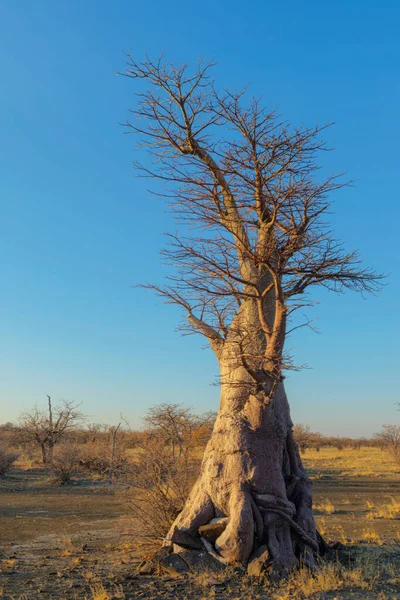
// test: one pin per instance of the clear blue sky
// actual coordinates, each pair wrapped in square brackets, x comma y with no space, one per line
[77,230]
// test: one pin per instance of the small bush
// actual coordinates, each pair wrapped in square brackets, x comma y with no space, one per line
[7,460]
[95,457]
[158,486]
[65,464]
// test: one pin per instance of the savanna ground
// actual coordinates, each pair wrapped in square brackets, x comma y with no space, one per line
[75,541]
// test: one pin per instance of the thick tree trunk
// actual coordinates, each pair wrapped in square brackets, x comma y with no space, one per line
[252,474]
[45,459]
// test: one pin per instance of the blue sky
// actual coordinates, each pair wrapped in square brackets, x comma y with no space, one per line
[77,230]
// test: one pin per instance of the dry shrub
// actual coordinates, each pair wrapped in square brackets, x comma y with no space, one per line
[65,464]
[158,486]
[95,457]
[389,438]
[7,460]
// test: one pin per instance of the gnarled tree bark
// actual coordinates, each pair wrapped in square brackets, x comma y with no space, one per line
[252,472]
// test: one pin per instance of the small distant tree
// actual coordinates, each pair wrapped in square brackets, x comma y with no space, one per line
[389,437]
[178,426]
[172,422]
[302,435]
[45,428]
[113,431]
[94,432]
[317,440]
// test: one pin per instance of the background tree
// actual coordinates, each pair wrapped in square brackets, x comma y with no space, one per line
[389,437]
[172,422]
[302,435]
[114,432]
[45,428]
[178,426]
[250,202]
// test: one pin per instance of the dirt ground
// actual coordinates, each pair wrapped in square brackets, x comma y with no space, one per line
[74,542]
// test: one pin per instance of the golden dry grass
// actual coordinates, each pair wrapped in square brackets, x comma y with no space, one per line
[371,536]
[325,507]
[366,574]
[363,462]
[387,510]
[99,592]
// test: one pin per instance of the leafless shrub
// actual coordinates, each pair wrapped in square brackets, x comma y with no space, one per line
[158,485]
[96,457]
[7,460]
[389,438]
[65,464]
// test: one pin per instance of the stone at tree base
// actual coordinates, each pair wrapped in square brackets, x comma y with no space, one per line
[173,565]
[181,561]
[257,562]
[150,564]
[186,540]
[200,561]
[146,568]
[213,529]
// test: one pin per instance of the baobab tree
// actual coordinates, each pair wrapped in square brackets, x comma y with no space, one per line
[250,203]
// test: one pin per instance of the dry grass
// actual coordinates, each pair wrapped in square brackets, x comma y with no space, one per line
[372,537]
[367,574]
[364,462]
[99,592]
[67,547]
[389,510]
[321,525]
[325,507]
[332,577]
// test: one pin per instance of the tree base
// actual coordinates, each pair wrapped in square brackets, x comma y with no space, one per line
[180,561]
[253,494]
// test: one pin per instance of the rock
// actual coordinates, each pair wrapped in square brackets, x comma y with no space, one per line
[180,562]
[201,561]
[146,568]
[150,564]
[185,539]
[213,529]
[173,565]
[258,561]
